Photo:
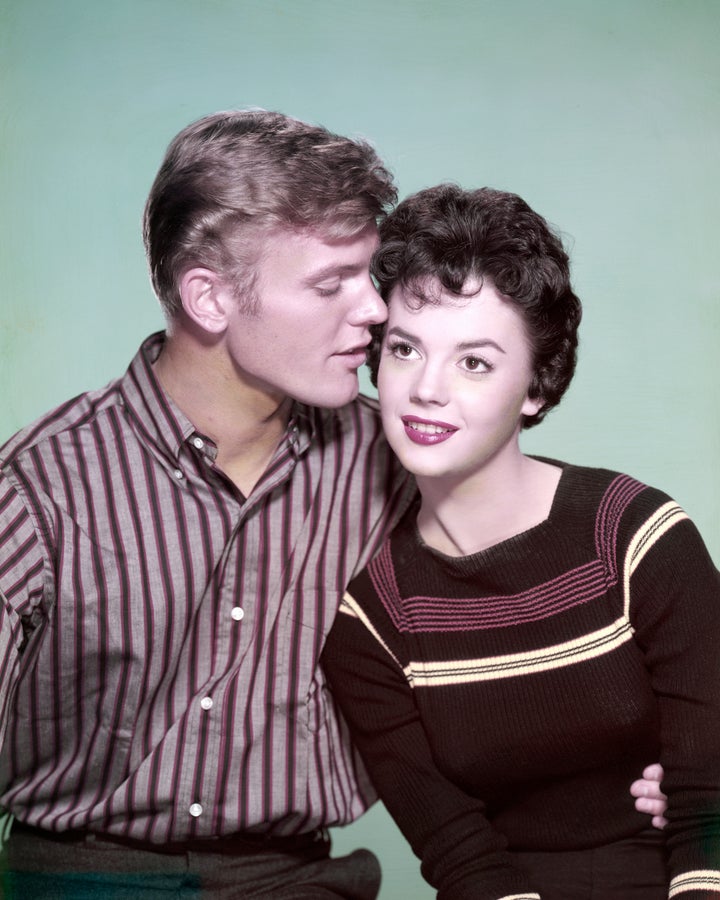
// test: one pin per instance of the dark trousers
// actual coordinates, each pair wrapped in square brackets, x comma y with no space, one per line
[36,866]
[631,869]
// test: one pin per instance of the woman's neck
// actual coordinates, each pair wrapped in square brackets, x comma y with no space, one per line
[469,516]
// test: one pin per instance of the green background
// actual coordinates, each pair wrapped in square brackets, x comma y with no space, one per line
[603,116]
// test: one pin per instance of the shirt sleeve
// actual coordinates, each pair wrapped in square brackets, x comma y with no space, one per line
[21,590]
[461,855]
[672,591]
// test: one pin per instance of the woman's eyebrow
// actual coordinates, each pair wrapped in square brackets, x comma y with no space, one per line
[396,331]
[405,335]
[480,342]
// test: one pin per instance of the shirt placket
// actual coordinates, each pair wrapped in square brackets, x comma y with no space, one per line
[228,620]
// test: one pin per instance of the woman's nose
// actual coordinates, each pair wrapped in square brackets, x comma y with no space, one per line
[430,386]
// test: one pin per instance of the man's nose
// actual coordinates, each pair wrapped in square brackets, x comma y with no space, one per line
[370,308]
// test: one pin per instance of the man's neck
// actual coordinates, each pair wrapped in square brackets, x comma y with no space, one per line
[245,423]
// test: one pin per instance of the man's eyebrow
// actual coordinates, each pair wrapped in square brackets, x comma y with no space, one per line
[396,331]
[333,269]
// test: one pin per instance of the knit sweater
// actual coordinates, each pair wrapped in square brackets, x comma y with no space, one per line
[507,699]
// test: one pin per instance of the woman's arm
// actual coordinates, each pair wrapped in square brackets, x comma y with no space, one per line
[462,856]
[672,591]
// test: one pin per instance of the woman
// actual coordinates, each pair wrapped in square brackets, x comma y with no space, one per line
[533,633]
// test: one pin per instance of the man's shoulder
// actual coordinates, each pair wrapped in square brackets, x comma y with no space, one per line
[84,411]
[355,435]
[61,421]
[363,407]
[357,422]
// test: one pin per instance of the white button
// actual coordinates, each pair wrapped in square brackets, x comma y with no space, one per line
[178,473]
[195,810]
[198,442]
[206,702]
[237,612]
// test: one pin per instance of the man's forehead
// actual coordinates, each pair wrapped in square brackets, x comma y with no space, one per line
[329,232]
[320,245]
[309,254]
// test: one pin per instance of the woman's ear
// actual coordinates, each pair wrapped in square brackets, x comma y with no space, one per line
[530,407]
[205,299]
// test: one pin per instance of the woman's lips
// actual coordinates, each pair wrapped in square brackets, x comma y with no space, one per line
[425,431]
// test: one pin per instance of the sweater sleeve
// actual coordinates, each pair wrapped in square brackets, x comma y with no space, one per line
[672,594]
[461,855]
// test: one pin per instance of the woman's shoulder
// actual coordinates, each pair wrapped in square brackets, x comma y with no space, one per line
[622,510]
[596,485]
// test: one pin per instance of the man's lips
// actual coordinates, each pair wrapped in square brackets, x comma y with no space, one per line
[357,355]
[426,431]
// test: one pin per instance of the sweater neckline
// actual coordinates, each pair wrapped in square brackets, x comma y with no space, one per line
[512,545]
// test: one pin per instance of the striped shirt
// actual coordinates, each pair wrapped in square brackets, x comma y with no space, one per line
[159,632]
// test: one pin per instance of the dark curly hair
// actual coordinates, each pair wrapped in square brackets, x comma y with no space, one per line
[449,235]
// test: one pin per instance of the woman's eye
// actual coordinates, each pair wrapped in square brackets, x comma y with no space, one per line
[401,351]
[476,364]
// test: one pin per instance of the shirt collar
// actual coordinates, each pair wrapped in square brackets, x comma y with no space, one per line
[164,423]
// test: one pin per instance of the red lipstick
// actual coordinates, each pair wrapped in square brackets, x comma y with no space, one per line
[427,431]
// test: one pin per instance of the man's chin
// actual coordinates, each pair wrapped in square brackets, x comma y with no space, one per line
[336,399]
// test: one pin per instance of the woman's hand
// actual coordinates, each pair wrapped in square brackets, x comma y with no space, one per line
[649,798]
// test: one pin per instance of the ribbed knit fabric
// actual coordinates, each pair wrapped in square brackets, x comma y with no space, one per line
[508,699]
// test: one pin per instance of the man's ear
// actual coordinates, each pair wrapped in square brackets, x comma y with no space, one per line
[205,299]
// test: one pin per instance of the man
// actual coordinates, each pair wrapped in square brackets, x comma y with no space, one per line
[173,547]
